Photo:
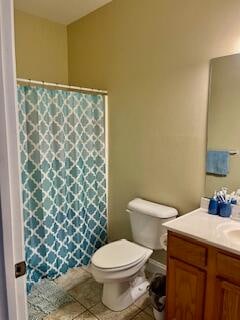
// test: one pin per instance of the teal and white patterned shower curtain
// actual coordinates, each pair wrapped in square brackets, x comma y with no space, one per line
[62,145]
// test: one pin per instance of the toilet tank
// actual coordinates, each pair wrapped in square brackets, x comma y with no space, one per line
[146,220]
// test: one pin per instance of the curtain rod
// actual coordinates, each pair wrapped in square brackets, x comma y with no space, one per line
[57,85]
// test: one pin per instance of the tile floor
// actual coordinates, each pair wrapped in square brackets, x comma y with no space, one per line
[87,305]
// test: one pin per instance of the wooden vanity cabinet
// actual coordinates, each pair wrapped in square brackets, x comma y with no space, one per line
[227,300]
[187,287]
[203,282]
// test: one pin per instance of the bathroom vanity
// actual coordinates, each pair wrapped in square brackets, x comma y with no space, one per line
[203,267]
[203,264]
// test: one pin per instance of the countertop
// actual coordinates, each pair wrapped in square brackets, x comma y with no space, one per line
[207,228]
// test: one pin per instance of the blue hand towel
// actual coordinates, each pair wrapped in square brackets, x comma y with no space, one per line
[217,162]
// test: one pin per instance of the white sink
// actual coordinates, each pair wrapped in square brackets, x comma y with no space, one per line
[230,231]
[233,235]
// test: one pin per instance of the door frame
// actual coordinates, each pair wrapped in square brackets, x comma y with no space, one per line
[10,186]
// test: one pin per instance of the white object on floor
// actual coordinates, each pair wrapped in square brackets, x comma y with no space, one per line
[158,315]
[120,265]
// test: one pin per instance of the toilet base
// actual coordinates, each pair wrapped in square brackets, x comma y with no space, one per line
[117,296]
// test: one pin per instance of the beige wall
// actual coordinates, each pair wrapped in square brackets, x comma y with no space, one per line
[153,57]
[224,118]
[41,49]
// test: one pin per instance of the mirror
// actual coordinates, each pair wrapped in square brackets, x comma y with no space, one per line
[223,130]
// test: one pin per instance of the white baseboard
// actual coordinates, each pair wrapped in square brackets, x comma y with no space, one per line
[154,266]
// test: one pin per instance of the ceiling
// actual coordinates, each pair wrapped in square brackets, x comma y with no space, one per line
[62,11]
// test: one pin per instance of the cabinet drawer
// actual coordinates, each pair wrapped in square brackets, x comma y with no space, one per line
[187,251]
[228,267]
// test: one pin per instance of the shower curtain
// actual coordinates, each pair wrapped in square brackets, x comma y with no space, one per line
[62,145]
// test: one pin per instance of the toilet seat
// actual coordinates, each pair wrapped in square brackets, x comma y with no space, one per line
[119,255]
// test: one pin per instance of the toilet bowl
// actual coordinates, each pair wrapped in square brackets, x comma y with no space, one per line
[120,265]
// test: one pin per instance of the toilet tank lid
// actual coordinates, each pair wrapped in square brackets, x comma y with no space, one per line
[152,209]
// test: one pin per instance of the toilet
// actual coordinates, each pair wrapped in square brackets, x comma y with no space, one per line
[120,265]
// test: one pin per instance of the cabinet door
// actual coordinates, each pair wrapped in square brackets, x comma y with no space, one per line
[228,301]
[185,291]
